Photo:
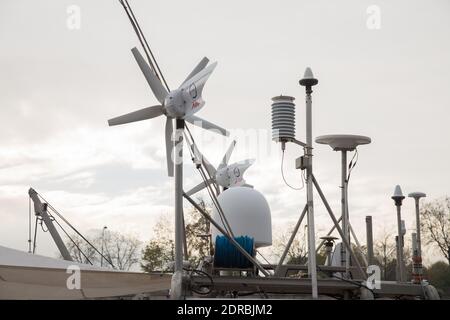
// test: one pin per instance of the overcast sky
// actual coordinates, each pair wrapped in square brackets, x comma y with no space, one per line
[58,87]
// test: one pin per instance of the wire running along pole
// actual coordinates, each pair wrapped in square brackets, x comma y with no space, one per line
[213,197]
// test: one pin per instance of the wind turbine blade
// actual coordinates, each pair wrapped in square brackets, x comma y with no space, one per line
[169,146]
[199,79]
[199,187]
[192,90]
[199,122]
[155,84]
[200,66]
[139,115]
[227,155]
[244,165]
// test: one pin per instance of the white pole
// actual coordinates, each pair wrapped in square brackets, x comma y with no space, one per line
[419,239]
[400,245]
[344,253]
[177,278]
[308,81]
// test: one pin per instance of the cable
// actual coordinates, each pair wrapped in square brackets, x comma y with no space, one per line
[352,164]
[42,225]
[216,204]
[284,179]
[74,229]
[143,41]
[204,273]
[209,188]
[73,241]
[349,281]
[148,48]
[136,30]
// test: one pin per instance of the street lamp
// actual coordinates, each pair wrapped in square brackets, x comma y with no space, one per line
[398,199]
[103,244]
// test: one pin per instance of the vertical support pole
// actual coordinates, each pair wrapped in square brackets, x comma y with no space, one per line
[177,278]
[417,261]
[103,245]
[312,265]
[369,242]
[400,245]
[308,82]
[41,210]
[344,254]
[419,239]
[397,269]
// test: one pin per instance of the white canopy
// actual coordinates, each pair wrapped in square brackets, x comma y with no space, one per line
[27,276]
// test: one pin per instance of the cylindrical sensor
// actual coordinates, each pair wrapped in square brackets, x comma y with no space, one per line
[283,118]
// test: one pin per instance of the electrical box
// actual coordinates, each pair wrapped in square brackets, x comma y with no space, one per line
[302,163]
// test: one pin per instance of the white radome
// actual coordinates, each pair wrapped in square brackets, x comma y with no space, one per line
[248,214]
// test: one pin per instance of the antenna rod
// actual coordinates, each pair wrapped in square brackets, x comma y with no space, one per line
[308,82]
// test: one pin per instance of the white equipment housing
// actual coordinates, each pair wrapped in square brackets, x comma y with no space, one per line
[248,214]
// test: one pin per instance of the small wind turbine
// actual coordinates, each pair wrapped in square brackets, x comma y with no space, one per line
[181,103]
[226,175]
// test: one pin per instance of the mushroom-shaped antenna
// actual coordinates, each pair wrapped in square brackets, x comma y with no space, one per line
[329,240]
[417,195]
[308,79]
[398,195]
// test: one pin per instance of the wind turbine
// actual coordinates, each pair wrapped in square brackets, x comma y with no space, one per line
[181,103]
[226,175]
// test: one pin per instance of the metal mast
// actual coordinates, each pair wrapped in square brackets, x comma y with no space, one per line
[177,278]
[308,82]
[40,209]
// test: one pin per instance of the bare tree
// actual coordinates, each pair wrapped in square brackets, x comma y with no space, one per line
[122,250]
[298,251]
[435,223]
[386,256]
[80,251]
[119,249]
